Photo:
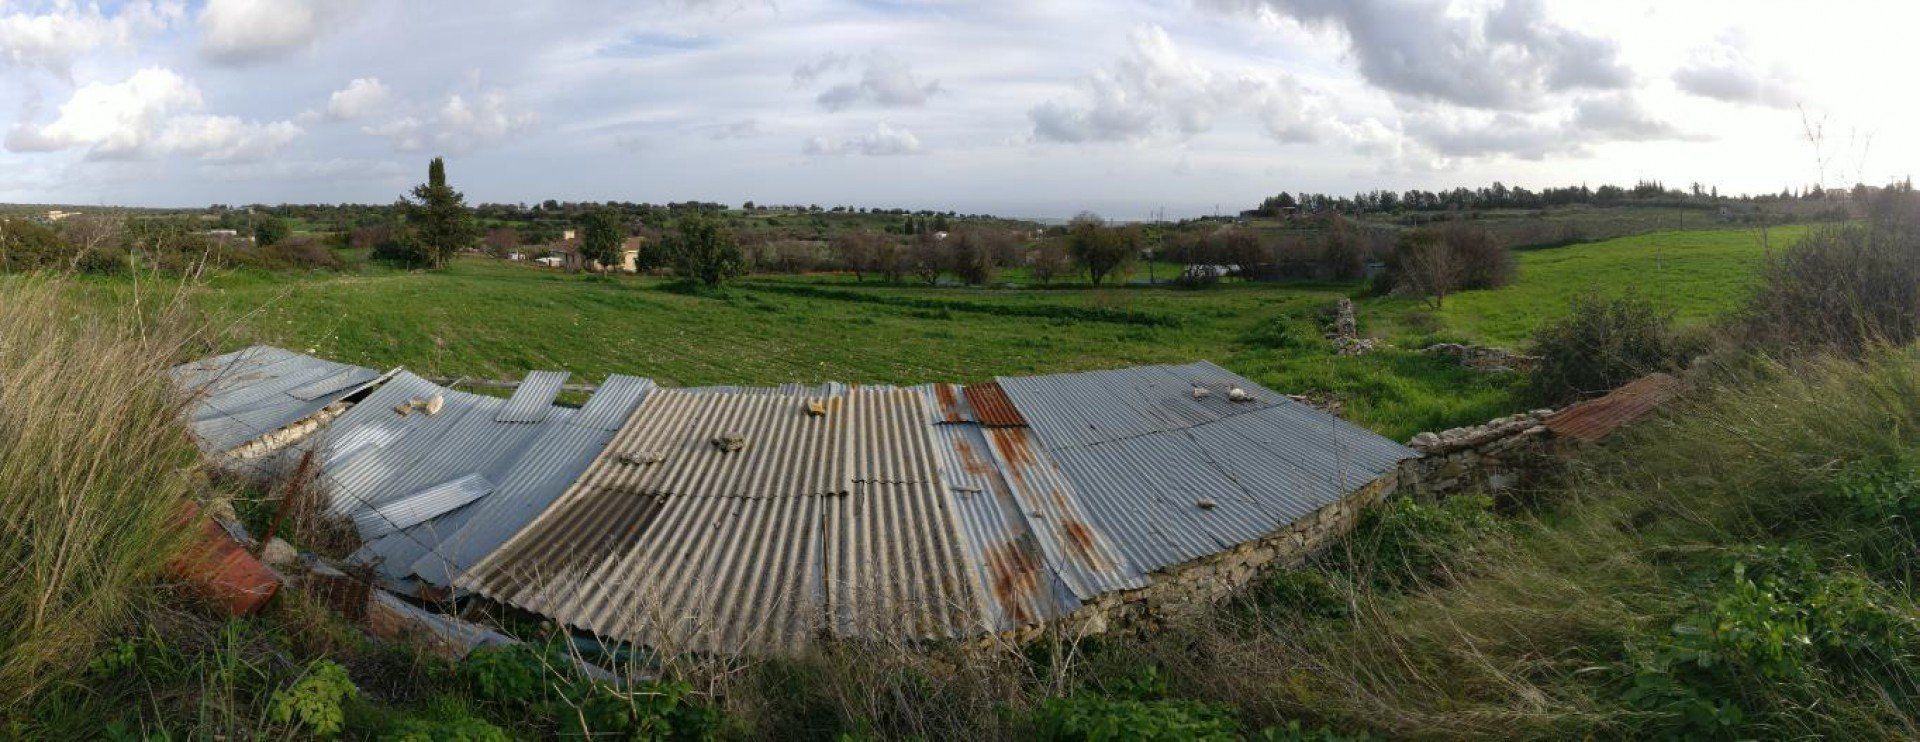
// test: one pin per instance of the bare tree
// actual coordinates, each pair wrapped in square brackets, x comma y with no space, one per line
[926,257]
[859,251]
[1049,261]
[1427,266]
[501,241]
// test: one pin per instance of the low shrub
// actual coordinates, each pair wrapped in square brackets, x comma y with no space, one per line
[1772,628]
[524,681]
[1601,344]
[1842,288]
[316,702]
[1092,717]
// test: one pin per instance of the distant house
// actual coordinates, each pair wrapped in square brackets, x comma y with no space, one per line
[551,261]
[566,254]
[54,215]
[1201,270]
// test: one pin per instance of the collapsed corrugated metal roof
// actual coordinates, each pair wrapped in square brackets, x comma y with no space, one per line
[730,522]
[756,518]
[246,394]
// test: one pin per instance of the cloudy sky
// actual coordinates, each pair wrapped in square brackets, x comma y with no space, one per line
[1034,108]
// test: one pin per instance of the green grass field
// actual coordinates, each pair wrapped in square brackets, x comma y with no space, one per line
[484,318]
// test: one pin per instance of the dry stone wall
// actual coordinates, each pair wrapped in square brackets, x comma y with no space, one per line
[1493,458]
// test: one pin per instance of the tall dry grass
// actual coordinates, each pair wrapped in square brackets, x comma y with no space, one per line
[95,466]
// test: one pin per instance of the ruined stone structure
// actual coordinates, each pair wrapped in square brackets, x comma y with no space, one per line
[1482,357]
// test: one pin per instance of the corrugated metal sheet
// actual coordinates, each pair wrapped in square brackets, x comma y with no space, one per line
[243,395]
[551,463]
[1097,406]
[834,522]
[533,398]
[931,511]
[1175,476]
[947,403]
[992,408]
[1595,419]
[421,506]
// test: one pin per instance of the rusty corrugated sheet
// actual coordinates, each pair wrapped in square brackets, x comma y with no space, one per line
[948,403]
[992,408]
[1595,419]
[827,519]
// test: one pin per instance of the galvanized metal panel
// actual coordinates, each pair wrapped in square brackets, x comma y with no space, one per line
[533,399]
[240,396]
[1175,476]
[1017,580]
[669,450]
[613,402]
[947,403]
[421,506]
[838,523]
[549,465]
[343,381]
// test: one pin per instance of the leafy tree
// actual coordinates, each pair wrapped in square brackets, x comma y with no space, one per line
[1099,248]
[600,236]
[438,219]
[704,250]
[270,229]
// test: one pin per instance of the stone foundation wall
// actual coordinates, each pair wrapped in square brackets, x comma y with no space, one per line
[1492,458]
[1195,585]
[1482,357]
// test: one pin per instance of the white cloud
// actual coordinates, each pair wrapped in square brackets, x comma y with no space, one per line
[885,81]
[1502,58]
[1724,71]
[884,140]
[459,124]
[1454,132]
[53,39]
[153,112]
[1155,87]
[249,31]
[363,97]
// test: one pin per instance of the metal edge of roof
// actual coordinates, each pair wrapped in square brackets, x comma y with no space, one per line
[421,506]
[1597,418]
[533,399]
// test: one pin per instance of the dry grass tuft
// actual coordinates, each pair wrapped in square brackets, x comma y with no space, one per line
[94,470]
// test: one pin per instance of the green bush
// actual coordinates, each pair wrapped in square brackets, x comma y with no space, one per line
[1601,344]
[315,701]
[522,680]
[1771,627]
[1306,592]
[1094,718]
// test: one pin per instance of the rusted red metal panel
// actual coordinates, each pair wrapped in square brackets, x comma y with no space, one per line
[221,571]
[992,408]
[949,405]
[1595,419]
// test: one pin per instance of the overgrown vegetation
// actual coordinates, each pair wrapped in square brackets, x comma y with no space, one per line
[95,476]
[1601,344]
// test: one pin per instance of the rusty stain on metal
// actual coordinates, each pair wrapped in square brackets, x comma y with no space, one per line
[1595,419]
[1016,578]
[992,407]
[949,404]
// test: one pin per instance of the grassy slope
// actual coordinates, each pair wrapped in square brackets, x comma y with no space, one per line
[1695,274]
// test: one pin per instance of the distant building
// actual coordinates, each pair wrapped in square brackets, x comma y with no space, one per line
[54,215]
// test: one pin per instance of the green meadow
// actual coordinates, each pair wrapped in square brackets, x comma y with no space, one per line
[489,319]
